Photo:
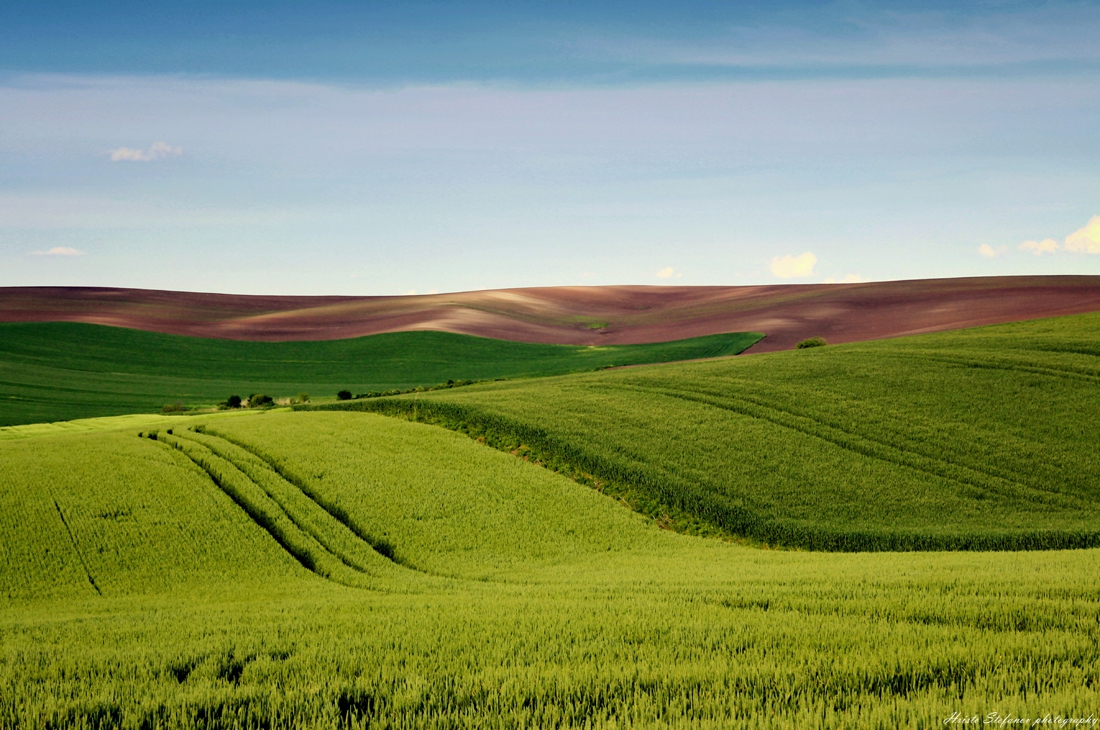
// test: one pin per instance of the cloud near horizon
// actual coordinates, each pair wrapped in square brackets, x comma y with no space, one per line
[794,267]
[1086,240]
[991,253]
[58,251]
[668,273]
[156,151]
[1047,245]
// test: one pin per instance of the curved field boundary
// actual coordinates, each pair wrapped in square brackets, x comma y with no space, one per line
[730,515]
[310,535]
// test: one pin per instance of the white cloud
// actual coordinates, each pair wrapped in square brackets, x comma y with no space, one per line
[989,252]
[1086,240]
[794,267]
[1047,245]
[411,293]
[668,273]
[156,151]
[59,251]
[848,279]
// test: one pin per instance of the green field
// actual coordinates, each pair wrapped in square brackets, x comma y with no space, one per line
[62,371]
[327,568]
[137,592]
[975,439]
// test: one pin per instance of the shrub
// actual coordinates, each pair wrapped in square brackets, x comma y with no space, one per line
[233,401]
[259,400]
[176,407]
[303,397]
[812,342]
[344,395]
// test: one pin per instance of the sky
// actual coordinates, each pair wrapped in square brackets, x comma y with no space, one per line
[389,148]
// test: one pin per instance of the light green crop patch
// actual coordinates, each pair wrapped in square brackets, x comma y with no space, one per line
[140,421]
[134,591]
[82,425]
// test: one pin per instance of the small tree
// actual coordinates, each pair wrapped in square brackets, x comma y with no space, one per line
[234,401]
[259,400]
[303,397]
[344,395]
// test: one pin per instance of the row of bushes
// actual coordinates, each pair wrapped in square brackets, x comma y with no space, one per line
[347,395]
[259,400]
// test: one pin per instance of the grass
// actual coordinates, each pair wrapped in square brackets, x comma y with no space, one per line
[64,371]
[327,568]
[963,440]
[521,599]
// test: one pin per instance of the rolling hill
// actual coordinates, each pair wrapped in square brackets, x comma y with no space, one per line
[324,568]
[970,439]
[145,585]
[579,315]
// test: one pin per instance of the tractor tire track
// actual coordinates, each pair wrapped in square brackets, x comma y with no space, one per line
[335,511]
[76,548]
[271,517]
[335,536]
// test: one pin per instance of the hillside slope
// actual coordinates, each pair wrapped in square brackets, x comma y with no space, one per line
[971,439]
[270,497]
[137,591]
[579,315]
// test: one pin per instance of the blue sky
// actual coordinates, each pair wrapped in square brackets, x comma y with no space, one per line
[362,148]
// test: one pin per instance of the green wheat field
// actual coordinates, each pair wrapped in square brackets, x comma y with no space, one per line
[875,535]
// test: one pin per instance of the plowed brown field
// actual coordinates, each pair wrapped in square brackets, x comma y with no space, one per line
[579,315]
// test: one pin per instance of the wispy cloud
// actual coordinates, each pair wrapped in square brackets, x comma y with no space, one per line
[668,273]
[156,151]
[1047,245]
[1086,240]
[794,267]
[991,253]
[58,251]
